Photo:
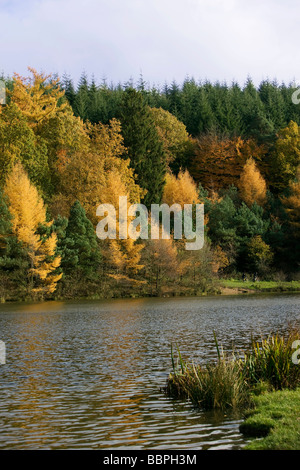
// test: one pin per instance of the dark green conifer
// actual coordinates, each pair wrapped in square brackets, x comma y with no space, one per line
[145,149]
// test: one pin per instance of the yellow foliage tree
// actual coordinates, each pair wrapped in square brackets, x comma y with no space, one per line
[29,212]
[180,190]
[172,132]
[122,255]
[161,262]
[252,185]
[37,96]
[84,176]
[292,203]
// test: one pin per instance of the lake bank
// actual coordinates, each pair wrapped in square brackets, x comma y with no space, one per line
[274,421]
[222,287]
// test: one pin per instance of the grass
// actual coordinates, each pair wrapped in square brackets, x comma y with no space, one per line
[270,361]
[275,419]
[216,385]
[263,286]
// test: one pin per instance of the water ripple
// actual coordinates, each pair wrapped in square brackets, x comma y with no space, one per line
[87,375]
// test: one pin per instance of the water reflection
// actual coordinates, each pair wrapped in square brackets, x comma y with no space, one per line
[88,374]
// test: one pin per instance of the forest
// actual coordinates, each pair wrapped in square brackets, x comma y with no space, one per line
[65,149]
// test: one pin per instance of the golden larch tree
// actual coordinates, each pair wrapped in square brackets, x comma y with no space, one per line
[180,190]
[28,213]
[83,176]
[122,255]
[37,96]
[252,185]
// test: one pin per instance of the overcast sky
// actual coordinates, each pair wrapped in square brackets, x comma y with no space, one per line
[164,40]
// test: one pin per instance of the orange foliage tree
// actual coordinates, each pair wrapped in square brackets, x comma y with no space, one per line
[180,190]
[218,161]
[252,185]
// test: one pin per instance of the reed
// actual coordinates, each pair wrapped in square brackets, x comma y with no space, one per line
[231,381]
[270,361]
[215,385]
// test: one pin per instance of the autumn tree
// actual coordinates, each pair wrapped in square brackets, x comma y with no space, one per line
[259,256]
[219,160]
[122,255]
[161,263]
[43,128]
[13,256]
[291,203]
[18,143]
[63,134]
[177,143]
[199,268]
[39,97]
[286,157]
[180,190]
[29,212]
[252,185]
[84,176]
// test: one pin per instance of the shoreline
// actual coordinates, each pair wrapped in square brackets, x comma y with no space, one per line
[221,290]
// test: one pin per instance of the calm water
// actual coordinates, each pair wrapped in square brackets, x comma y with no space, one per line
[87,375]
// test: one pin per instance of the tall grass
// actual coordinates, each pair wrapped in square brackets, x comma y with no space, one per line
[231,381]
[215,385]
[270,361]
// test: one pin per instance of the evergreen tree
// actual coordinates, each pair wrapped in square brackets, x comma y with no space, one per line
[145,149]
[68,86]
[81,101]
[80,251]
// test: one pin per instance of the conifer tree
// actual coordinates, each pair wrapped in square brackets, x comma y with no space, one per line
[145,149]
[80,250]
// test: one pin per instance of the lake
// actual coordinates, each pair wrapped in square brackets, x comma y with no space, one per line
[88,374]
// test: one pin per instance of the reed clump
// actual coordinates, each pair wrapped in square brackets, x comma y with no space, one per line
[232,380]
[271,361]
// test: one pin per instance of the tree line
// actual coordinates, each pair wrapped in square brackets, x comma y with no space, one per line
[64,151]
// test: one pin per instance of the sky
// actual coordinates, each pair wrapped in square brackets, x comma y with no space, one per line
[160,40]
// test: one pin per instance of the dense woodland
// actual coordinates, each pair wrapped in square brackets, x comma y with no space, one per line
[65,149]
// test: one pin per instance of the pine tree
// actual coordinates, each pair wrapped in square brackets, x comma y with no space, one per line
[81,101]
[69,89]
[145,149]
[81,255]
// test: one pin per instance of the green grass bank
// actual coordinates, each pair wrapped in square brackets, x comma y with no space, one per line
[274,421]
